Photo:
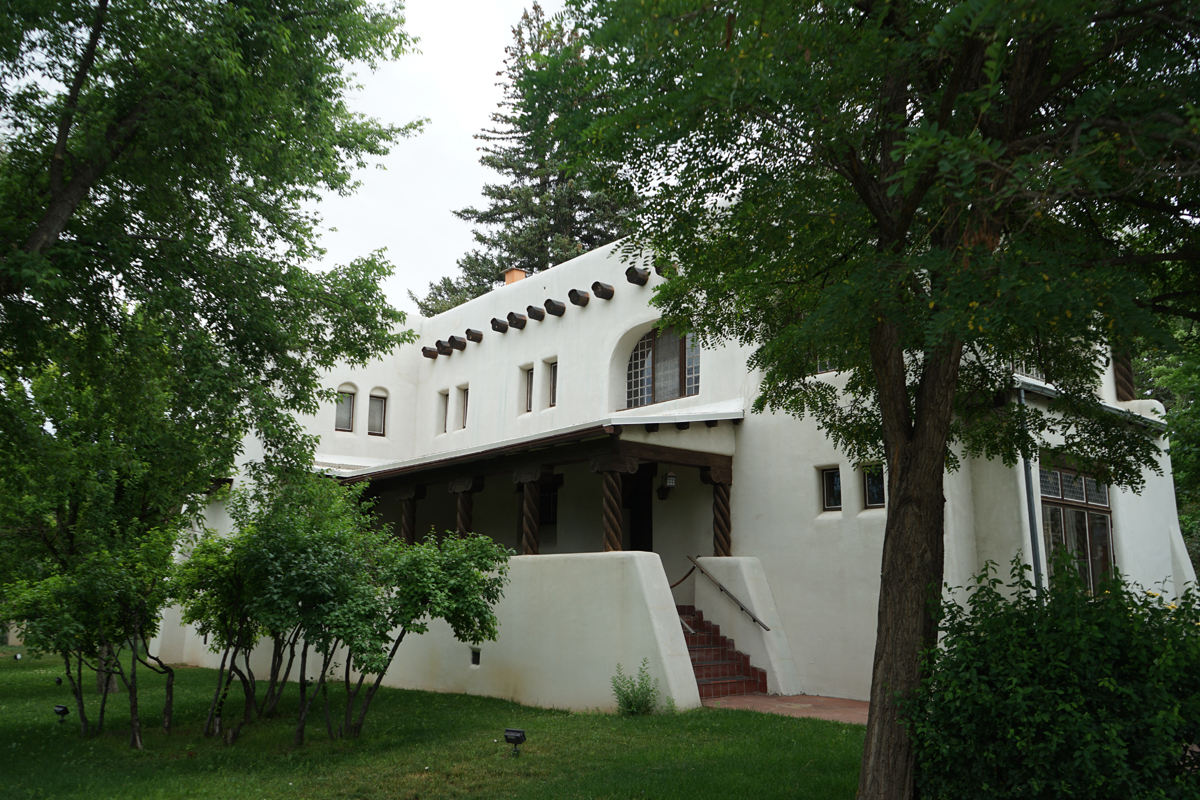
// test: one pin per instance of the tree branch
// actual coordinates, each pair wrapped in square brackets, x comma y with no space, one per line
[57,161]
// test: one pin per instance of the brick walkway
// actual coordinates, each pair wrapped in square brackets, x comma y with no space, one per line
[836,709]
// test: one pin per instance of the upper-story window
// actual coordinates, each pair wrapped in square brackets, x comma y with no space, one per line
[1076,517]
[377,414]
[344,420]
[662,366]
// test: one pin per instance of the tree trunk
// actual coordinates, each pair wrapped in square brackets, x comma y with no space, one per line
[135,722]
[105,673]
[915,440]
[76,682]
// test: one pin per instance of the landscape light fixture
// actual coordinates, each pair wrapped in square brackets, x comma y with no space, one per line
[62,712]
[58,681]
[514,737]
[668,483]
[17,657]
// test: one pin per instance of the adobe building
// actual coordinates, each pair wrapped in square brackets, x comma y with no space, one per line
[553,417]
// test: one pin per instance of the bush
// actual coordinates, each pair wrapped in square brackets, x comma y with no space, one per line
[1082,696]
[635,696]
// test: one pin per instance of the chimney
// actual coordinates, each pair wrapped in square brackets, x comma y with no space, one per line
[513,274]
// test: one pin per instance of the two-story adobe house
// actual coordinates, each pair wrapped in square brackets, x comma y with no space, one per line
[552,416]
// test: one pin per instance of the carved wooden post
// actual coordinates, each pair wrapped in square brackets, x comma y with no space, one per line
[409,495]
[465,488]
[528,476]
[721,479]
[611,468]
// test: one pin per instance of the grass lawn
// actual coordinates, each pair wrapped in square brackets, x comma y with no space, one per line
[415,745]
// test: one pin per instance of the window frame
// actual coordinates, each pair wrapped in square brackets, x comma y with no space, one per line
[382,415]
[867,472]
[1096,502]
[826,473]
[688,368]
[464,395]
[528,389]
[337,409]
[553,365]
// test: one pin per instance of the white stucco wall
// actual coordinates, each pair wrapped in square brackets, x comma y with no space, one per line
[566,622]
[820,567]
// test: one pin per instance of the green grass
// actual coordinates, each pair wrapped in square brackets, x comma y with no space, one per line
[415,745]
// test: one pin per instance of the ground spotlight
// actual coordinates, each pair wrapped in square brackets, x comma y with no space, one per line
[514,737]
[62,712]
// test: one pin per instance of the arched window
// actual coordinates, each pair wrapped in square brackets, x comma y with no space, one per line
[662,366]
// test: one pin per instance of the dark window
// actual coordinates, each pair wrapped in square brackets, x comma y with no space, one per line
[376,416]
[873,487]
[554,384]
[831,485]
[529,389]
[662,366]
[1076,518]
[345,412]
[466,393]
[548,502]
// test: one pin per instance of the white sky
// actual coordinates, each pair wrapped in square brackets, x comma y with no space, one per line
[406,207]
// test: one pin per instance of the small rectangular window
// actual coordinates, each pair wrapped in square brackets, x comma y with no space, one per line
[466,393]
[873,487]
[554,384]
[831,483]
[376,413]
[444,410]
[345,412]
[529,389]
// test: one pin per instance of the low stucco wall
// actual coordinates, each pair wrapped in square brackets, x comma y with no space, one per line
[566,621]
[768,650]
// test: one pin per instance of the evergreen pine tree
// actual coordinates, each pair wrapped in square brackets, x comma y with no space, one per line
[543,214]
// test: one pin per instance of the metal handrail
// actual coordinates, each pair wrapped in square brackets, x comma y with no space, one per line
[726,591]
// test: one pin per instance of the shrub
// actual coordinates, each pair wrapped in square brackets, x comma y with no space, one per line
[635,696]
[1079,696]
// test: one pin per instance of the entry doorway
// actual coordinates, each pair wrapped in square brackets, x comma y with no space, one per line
[637,492]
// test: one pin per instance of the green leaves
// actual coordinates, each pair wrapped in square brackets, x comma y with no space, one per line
[1078,696]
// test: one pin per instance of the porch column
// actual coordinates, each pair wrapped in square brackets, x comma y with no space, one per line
[528,476]
[721,479]
[611,467]
[465,488]
[409,495]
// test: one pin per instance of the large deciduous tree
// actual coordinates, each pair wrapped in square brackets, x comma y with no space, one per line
[159,297]
[545,212]
[159,154]
[924,194]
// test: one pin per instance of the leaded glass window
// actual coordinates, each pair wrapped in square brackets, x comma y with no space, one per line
[1075,518]
[663,366]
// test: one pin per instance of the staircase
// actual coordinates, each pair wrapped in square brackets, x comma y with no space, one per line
[721,671]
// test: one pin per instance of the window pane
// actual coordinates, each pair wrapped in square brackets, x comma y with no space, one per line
[1049,481]
[529,389]
[666,366]
[1097,493]
[1101,546]
[466,393]
[345,412]
[833,489]
[554,384]
[1052,529]
[639,381]
[1076,531]
[375,414]
[1072,487]
[692,359]
[875,489]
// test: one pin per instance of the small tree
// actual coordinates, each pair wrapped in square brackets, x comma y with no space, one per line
[1078,696]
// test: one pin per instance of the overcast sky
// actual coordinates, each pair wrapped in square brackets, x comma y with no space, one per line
[406,207]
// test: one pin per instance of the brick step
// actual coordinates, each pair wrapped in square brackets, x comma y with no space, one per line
[720,669]
[707,640]
[728,687]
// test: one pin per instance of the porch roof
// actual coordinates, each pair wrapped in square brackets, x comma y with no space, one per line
[560,446]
